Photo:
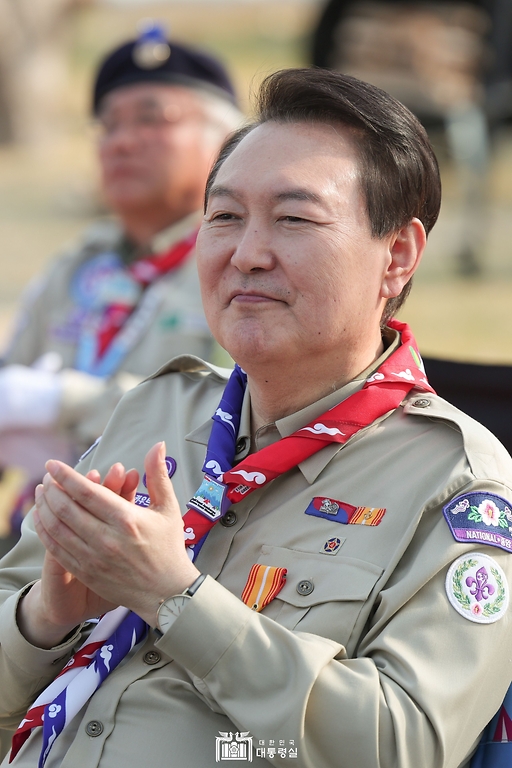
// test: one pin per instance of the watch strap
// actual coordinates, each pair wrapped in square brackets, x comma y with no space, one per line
[189,592]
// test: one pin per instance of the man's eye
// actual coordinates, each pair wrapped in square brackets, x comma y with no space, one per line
[294,218]
[223,217]
[108,125]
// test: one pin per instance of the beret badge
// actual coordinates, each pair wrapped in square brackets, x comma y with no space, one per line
[151,49]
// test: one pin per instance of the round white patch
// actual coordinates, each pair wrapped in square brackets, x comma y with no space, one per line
[477,588]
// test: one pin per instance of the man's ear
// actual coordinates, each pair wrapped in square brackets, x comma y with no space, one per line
[405,249]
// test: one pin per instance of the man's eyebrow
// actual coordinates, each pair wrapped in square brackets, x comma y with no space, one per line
[144,102]
[298,194]
[291,194]
[219,191]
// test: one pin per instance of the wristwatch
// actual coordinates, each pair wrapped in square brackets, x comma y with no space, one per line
[171,608]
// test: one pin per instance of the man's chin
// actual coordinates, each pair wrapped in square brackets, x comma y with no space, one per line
[255,353]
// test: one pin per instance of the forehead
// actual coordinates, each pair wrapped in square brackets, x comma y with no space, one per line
[318,155]
[147,95]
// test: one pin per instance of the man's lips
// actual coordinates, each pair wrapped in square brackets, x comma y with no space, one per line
[252,297]
[123,171]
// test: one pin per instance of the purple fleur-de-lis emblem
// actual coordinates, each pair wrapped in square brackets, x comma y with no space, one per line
[479,587]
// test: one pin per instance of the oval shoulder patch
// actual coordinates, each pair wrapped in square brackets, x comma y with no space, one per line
[477,588]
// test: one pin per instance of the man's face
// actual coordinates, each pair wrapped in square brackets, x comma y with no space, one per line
[156,148]
[287,262]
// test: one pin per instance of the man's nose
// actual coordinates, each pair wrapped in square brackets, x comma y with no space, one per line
[124,135]
[254,250]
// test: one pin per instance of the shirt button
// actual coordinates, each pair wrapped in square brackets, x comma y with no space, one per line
[152,657]
[94,728]
[229,519]
[305,587]
[421,403]
[241,445]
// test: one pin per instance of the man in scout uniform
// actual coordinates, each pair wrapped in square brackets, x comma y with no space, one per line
[326,579]
[125,299]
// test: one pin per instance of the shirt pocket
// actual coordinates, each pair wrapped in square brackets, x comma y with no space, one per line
[323,594]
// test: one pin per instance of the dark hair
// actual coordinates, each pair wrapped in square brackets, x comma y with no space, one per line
[399,171]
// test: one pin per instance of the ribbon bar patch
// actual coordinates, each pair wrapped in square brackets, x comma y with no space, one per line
[342,512]
[480,517]
[263,584]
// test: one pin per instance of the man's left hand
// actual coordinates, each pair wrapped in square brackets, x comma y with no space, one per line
[128,555]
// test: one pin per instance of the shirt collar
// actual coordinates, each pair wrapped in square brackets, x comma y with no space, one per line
[162,241]
[165,239]
[271,433]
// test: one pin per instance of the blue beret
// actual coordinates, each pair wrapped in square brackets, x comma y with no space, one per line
[154,58]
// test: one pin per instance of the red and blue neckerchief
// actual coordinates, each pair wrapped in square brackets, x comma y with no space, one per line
[120,630]
[110,641]
[102,346]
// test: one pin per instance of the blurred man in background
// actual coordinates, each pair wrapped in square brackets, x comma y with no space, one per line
[126,298]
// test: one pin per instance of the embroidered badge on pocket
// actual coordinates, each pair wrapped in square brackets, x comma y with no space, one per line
[332,545]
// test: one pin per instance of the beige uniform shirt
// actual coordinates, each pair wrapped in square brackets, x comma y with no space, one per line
[370,667]
[168,321]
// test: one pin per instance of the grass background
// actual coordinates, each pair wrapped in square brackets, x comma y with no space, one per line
[48,191]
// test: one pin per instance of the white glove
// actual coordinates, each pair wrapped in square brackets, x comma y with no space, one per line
[29,397]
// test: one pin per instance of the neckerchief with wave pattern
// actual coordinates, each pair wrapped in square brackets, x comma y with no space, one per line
[224,484]
[110,641]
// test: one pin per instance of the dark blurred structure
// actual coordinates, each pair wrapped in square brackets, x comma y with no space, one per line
[482,391]
[450,62]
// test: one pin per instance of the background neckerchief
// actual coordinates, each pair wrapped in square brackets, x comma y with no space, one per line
[97,352]
[382,392]
[119,630]
[495,748]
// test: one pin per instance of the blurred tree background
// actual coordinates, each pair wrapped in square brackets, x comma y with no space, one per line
[48,187]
